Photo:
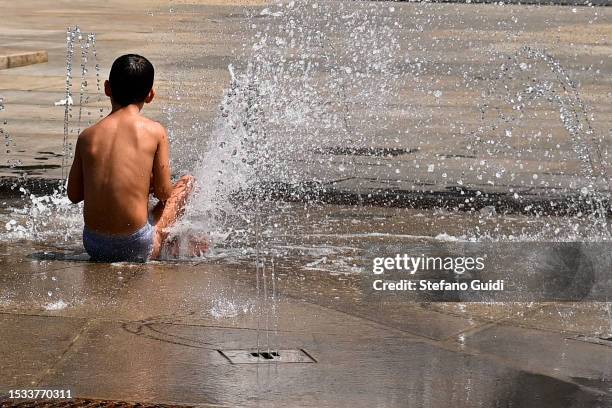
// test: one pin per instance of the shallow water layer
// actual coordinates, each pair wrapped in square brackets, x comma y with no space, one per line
[310,236]
[168,320]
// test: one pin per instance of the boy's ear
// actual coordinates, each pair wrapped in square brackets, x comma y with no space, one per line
[107,89]
[150,96]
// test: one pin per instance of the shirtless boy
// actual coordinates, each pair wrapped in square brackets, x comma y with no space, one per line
[118,162]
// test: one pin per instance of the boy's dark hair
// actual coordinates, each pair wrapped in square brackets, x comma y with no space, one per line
[131,79]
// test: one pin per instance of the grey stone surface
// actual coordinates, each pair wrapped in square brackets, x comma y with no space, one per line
[587,364]
[31,347]
[151,333]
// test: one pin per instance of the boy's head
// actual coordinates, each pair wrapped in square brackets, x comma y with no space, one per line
[130,81]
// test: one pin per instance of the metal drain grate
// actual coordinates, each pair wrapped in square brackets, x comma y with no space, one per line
[82,403]
[241,356]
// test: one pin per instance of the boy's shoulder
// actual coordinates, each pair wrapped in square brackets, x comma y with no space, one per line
[150,126]
[153,126]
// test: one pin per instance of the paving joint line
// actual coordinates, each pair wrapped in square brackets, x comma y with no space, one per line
[66,352]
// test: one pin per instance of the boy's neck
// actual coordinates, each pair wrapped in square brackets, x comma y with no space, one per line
[132,108]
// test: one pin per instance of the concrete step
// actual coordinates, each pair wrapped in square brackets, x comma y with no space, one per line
[10,58]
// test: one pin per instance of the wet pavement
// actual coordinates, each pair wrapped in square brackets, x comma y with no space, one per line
[155,332]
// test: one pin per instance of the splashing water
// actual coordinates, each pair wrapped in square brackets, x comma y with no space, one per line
[45,218]
[278,110]
[281,109]
[52,217]
[75,38]
[224,308]
[306,90]
[9,144]
[532,159]
[322,76]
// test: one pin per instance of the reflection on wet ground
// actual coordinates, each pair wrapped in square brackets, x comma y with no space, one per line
[151,332]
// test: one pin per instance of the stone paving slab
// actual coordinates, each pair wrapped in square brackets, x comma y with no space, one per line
[354,372]
[584,318]
[174,363]
[151,333]
[14,58]
[585,363]
[387,311]
[182,293]
[30,347]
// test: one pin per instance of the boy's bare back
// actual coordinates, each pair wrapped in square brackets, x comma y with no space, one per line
[118,162]
[118,158]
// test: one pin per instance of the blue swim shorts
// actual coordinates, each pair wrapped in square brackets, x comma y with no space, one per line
[136,247]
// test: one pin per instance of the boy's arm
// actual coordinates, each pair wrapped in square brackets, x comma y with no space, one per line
[76,192]
[162,186]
